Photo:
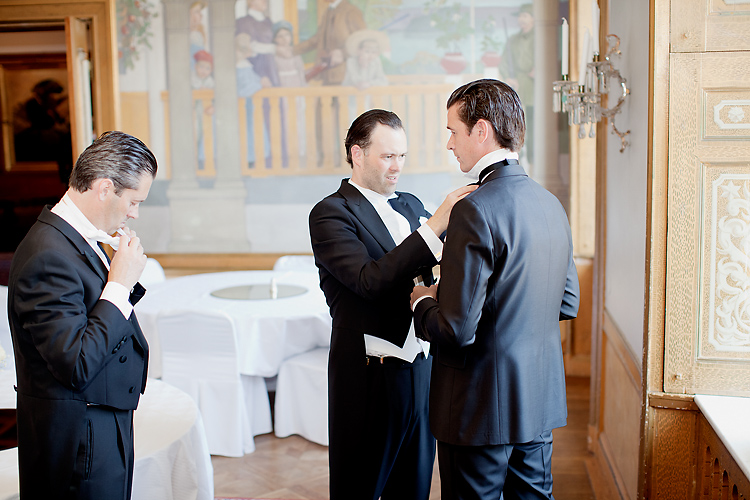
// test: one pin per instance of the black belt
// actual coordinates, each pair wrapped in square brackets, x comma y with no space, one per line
[390,360]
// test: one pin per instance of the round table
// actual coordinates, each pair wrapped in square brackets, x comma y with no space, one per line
[268,330]
[172,461]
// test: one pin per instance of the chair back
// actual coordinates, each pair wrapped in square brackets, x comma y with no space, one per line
[197,344]
[152,273]
[302,263]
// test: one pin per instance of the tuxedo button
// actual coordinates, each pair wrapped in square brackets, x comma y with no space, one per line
[123,359]
[117,348]
[131,390]
[124,339]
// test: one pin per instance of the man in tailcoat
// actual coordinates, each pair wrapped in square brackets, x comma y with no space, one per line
[507,279]
[370,243]
[81,358]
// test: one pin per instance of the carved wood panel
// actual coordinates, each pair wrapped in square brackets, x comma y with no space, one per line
[719,476]
[710,25]
[707,337]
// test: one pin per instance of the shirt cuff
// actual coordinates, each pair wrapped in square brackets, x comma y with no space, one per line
[119,296]
[432,240]
[420,299]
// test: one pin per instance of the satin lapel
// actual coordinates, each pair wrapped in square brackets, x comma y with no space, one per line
[365,212]
[76,240]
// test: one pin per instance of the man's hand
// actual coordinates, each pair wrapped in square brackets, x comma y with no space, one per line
[337,57]
[422,291]
[129,261]
[439,221]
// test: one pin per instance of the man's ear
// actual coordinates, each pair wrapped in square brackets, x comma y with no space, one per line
[102,187]
[484,130]
[357,154]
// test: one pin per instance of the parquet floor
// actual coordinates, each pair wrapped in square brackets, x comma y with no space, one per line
[294,468]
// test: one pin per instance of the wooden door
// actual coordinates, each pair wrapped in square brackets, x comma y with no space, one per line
[78,50]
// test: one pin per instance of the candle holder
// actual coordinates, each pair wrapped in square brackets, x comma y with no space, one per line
[582,100]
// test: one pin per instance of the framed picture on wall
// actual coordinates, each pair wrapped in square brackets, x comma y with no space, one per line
[35,115]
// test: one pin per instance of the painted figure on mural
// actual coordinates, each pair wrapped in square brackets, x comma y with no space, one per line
[517,70]
[259,26]
[202,78]
[363,66]
[197,35]
[340,20]
[291,71]
[248,83]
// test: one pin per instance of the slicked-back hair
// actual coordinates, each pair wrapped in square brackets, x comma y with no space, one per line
[496,102]
[116,156]
[360,132]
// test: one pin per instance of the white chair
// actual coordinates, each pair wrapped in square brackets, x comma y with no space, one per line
[300,263]
[302,397]
[152,273]
[199,356]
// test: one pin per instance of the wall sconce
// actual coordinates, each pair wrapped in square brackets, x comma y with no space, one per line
[582,101]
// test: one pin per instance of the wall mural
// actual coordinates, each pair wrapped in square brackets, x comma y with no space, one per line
[303,74]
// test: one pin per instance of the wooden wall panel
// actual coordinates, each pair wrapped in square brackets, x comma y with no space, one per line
[134,115]
[621,413]
[673,464]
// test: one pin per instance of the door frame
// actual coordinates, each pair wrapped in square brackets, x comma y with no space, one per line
[105,93]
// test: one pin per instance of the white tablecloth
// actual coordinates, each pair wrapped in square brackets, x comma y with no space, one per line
[171,454]
[268,331]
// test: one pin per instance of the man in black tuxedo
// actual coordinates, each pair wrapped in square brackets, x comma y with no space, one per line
[369,247]
[507,279]
[81,358]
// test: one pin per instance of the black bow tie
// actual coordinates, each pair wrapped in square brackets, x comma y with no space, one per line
[404,209]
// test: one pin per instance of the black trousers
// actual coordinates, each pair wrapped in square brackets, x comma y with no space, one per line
[387,451]
[104,464]
[516,471]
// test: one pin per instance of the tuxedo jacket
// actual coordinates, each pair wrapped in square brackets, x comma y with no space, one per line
[367,281]
[366,278]
[507,279]
[71,349]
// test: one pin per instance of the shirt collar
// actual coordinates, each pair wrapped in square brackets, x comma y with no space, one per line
[68,211]
[335,4]
[489,159]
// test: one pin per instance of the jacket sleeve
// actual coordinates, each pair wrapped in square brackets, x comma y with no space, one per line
[339,248]
[571,298]
[464,273]
[74,342]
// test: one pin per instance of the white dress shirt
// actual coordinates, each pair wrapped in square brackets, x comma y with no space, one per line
[113,292]
[399,228]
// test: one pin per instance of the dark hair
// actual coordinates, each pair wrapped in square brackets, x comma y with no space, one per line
[116,156]
[496,102]
[361,129]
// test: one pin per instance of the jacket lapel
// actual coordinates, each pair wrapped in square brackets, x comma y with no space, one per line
[365,212]
[76,240]
[504,171]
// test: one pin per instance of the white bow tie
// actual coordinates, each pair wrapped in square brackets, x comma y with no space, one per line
[102,237]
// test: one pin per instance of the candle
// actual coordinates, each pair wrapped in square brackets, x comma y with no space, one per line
[595,34]
[565,35]
[583,57]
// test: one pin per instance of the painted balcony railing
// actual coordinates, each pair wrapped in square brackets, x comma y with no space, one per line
[301,131]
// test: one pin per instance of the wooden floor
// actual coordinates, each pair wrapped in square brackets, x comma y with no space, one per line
[293,468]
